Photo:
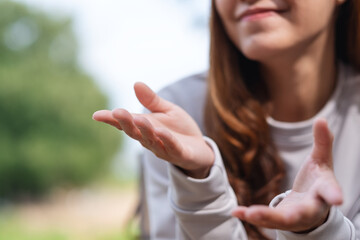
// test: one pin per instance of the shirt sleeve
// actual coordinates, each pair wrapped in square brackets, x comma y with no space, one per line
[336,227]
[160,218]
[203,206]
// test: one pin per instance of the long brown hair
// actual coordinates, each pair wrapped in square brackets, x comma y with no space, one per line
[234,115]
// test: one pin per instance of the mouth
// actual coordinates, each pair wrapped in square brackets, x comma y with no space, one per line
[259,13]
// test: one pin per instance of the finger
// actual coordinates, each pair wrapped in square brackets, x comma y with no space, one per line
[149,138]
[106,117]
[126,122]
[323,139]
[239,212]
[149,99]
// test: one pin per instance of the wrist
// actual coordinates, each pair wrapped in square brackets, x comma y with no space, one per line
[203,171]
[199,173]
[320,222]
[208,157]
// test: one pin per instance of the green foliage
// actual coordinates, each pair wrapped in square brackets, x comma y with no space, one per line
[47,137]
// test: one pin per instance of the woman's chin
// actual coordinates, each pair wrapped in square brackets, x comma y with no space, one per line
[264,48]
[261,53]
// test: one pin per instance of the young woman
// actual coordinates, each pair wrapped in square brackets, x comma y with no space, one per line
[283,80]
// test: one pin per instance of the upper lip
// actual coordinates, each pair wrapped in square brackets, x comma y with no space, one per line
[254,10]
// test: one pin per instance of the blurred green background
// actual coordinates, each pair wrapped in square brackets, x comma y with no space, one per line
[46,102]
[64,176]
[54,159]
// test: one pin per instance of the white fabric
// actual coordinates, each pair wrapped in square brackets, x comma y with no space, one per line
[181,207]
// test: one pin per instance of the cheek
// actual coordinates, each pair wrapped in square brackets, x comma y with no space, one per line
[314,21]
[310,17]
[225,9]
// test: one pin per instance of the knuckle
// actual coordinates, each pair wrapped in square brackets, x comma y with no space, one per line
[157,154]
[133,135]
[150,142]
[143,143]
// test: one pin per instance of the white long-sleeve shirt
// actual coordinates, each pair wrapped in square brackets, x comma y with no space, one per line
[181,207]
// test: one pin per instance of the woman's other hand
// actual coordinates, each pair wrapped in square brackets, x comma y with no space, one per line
[314,191]
[168,131]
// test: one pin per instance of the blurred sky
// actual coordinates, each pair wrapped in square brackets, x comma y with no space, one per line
[122,42]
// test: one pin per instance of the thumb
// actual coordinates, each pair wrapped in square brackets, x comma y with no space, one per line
[149,99]
[323,139]
[330,191]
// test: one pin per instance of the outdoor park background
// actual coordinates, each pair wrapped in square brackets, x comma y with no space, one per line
[62,175]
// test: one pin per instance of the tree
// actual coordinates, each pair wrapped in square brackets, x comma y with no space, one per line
[47,137]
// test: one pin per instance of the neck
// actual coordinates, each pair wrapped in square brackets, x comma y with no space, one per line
[301,83]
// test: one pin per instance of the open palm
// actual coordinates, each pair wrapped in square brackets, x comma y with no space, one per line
[168,131]
[314,191]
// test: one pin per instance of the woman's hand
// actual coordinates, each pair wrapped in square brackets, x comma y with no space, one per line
[168,131]
[314,191]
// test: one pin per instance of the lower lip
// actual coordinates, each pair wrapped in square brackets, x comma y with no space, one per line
[259,15]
